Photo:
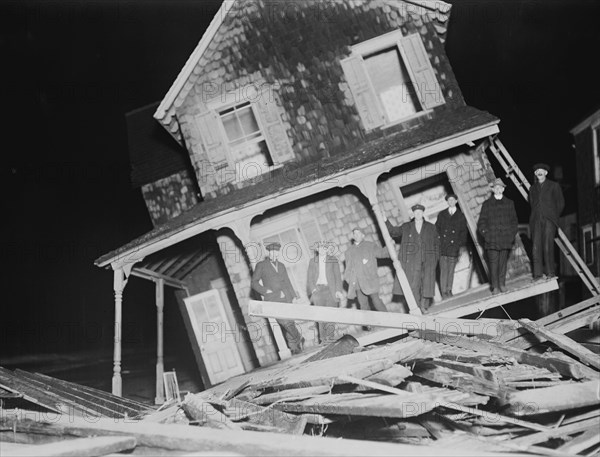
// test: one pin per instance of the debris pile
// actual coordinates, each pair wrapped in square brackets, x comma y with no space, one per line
[530,390]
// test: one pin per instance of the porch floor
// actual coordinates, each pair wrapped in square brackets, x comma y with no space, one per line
[475,300]
[480,298]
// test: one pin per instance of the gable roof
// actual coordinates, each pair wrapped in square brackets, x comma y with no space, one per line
[438,11]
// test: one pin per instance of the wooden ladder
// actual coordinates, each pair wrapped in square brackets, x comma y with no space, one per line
[518,178]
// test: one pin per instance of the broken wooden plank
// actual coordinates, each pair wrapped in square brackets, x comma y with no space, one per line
[392,376]
[206,414]
[186,438]
[563,321]
[343,346]
[407,322]
[364,404]
[564,342]
[291,395]
[79,447]
[282,422]
[556,398]
[576,371]
[582,442]
[565,430]
[460,380]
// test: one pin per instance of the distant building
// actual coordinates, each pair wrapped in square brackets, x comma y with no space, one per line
[587,145]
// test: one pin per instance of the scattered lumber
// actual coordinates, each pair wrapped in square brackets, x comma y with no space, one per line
[564,342]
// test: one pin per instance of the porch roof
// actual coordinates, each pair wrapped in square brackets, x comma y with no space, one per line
[446,130]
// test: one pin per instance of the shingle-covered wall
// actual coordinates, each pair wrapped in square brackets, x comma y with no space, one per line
[169,197]
[237,265]
[296,49]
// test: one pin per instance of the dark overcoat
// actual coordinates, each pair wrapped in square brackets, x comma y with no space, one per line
[498,223]
[452,230]
[546,201]
[418,255]
[361,267]
[332,273]
[276,280]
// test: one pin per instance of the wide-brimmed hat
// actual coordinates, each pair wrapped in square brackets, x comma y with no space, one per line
[497,182]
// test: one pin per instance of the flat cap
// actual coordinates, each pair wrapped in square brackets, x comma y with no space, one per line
[497,182]
[541,166]
[274,246]
[417,206]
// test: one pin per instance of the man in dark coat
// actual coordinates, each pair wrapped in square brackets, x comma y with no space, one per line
[361,271]
[452,228]
[498,225]
[419,253]
[271,280]
[547,202]
[324,285]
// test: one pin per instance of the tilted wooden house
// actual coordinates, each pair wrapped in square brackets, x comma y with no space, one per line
[303,119]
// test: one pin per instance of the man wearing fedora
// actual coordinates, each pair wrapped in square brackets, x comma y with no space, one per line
[498,226]
[452,228]
[324,285]
[418,254]
[547,203]
[271,280]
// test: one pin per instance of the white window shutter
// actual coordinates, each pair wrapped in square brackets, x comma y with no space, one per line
[269,115]
[215,143]
[418,65]
[364,95]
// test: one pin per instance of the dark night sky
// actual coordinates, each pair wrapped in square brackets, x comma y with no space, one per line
[71,70]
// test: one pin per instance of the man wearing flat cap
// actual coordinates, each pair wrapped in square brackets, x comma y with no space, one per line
[452,228]
[271,280]
[547,203]
[418,254]
[324,285]
[498,226]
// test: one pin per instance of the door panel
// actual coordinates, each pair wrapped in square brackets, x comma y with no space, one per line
[215,338]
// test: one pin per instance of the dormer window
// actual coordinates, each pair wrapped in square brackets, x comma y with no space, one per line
[246,138]
[391,79]
[246,141]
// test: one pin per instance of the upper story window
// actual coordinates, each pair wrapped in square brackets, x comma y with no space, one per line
[247,144]
[247,137]
[391,79]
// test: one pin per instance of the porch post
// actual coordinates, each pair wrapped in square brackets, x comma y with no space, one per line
[119,283]
[368,186]
[160,368]
[241,228]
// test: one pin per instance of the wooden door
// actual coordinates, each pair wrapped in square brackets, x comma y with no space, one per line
[215,336]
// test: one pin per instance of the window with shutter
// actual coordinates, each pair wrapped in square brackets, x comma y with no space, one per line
[249,137]
[391,79]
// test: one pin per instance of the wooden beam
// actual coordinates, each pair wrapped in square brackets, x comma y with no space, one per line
[186,438]
[80,447]
[159,399]
[555,398]
[406,322]
[564,342]
[153,276]
[450,405]
[565,430]
[572,370]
